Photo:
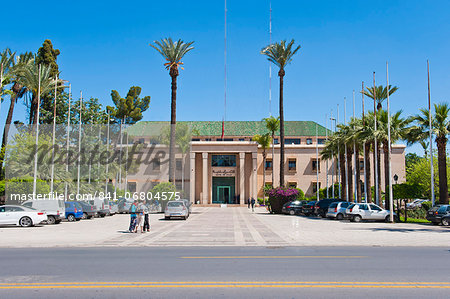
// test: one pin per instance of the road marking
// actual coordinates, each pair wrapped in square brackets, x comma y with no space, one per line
[278,257]
[212,284]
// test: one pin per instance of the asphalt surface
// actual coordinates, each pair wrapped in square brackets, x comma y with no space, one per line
[226,272]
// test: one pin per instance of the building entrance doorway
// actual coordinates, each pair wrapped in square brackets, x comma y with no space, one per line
[223,190]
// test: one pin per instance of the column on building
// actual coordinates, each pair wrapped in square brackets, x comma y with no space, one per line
[192,178]
[254,182]
[205,191]
[242,178]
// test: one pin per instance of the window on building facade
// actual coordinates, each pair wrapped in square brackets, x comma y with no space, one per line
[315,165]
[241,139]
[228,139]
[308,140]
[132,187]
[207,139]
[361,164]
[269,164]
[223,160]
[292,140]
[314,186]
[321,140]
[292,164]
[156,164]
[292,184]
[276,141]
[195,139]
[178,164]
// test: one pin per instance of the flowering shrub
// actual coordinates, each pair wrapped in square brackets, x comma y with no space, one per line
[281,195]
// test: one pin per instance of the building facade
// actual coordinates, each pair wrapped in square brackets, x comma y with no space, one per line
[229,169]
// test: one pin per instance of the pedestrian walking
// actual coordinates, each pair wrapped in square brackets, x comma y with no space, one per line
[133,217]
[146,219]
[140,217]
[248,203]
[253,204]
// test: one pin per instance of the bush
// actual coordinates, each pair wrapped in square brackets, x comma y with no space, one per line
[158,190]
[281,195]
[426,205]
[301,194]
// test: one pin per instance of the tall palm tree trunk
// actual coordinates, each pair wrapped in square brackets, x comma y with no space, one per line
[379,172]
[264,177]
[273,160]
[281,73]
[368,183]
[350,172]
[6,132]
[343,177]
[173,122]
[358,175]
[386,172]
[442,165]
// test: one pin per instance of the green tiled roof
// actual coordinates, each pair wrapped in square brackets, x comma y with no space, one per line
[232,128]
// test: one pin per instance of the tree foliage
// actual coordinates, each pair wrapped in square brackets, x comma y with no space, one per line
[129,109]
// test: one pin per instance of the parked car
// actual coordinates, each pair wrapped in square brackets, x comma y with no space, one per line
[188,204]
[308,208]
[113,208]
[124,205]
[20,215]
[321,207]
[368,211]
[446,219]
[74,211]
[293,207]
[336,210]
[436,213]
[89,211]
[417,203]
[102,206]
[54,209]
[176,209]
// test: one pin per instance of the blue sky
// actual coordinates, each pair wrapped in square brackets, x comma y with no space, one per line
[105,45]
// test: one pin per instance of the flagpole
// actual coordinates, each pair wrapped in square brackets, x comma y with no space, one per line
[68,140]
[433,199]
[1,84]
[270,64]
[79,144]
[364,146]
[332,157]
[339,157]
[326,138]
[391,195]
[107,162]
[317,165]
[356,179]
[37,134]
[225,69]
[347,196]
[375,163]
[53,139]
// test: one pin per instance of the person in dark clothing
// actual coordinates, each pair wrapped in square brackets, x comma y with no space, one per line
[248,203]
[253,204]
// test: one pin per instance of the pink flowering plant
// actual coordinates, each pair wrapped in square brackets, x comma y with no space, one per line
[281,195]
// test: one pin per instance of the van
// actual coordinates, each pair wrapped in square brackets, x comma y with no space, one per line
[74,211]
[102,206]
[55,209]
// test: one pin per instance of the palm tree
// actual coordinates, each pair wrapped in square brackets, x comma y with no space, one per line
[334,148]
[30,79]
[281,55]
[173,52]
[6,63]
[379,93]
[273,125]
[440,128]
[399,131]
[264,142]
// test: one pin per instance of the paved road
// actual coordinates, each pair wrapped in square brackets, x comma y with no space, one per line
[226,272]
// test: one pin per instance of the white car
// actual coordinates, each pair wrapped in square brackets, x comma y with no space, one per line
[367,211]
[176,209]
[417,203]
[19,215]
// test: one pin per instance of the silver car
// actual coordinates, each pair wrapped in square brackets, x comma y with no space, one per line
[176,209]
[367,211]
[337,210]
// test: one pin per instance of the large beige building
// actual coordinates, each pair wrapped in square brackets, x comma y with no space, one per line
[229,170]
